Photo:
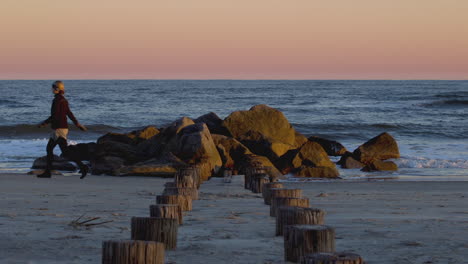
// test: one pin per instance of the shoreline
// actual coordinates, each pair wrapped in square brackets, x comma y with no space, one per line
[383,221]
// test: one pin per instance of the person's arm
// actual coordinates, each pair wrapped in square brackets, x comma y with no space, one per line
[73,118]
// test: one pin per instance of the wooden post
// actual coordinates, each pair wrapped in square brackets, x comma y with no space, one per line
[300,240]
[257,181]
[266,189]
[283,192]
[277,202]
[167,211]
[132,252]
[249,172]
[332,258]
[297,216]
[188,177]
[162,230]
[192,192]
[184,201]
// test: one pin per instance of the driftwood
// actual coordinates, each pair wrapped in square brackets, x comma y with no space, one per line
[257,181]
[283,192]
[192,192]
[184,201]
[266,189]
[332,258]
[167,211]
[277,202]
[87,223]
[156,229]
[287,215]
[132,252]
[300,240]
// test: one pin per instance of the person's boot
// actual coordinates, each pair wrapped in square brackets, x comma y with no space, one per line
[45,174]
[84,171]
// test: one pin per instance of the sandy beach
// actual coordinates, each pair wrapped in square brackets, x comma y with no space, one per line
[384,222]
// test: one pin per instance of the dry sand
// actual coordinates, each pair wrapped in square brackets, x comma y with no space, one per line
[385,222]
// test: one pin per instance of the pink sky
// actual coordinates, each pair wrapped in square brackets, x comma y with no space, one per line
[241,39]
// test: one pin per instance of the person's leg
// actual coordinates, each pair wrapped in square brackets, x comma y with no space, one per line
[67,153]
[50,158]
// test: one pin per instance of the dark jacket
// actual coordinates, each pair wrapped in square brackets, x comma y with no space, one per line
[59,113]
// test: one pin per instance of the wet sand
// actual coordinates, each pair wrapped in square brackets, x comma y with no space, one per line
[385,222]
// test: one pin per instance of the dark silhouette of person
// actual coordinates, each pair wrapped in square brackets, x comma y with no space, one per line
[58,121]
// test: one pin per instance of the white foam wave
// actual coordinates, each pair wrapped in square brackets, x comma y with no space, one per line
[424,163]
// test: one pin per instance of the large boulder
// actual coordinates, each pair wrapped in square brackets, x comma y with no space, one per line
[347,161]
[214,123]
[378,165]
[127,152]
[333,148]
[58,163]
[311,154]
[82,151]
[133,137]
[232,152]
[262,119]
[166,140]
[252,160]
[264,146]
[106,165]
[195,145]
[164,166]
[381,147]
[317,172]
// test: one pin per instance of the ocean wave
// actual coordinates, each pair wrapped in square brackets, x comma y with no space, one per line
[454,102]
[26,130]
[425,163]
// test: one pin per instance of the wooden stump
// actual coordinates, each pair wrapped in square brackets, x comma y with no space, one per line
[192,192]
[283,192]
[266,189]
[300,240]
[132,252]
[249,172]
[188,177]
[184,201]
[257,181]
[297,216]
[162,230]
[277,202]
[332,258]
[167,211]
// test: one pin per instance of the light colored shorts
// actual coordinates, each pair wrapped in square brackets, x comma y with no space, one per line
[59,133]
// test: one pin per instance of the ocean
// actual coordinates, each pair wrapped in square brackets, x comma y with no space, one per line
[427,118]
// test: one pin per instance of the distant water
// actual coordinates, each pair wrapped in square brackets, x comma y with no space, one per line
[427,118]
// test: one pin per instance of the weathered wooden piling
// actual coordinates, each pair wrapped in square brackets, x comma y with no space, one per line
[189,191]
[332,258]
[167,211]
[162,230]
[257,181]
[300,240]
[277,202]
[288,215]
[184,201]
[283,192]
[132,252]
[266,189]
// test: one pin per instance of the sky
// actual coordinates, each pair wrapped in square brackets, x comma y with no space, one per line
[234,39]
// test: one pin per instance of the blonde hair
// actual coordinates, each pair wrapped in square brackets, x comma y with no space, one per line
[58,87]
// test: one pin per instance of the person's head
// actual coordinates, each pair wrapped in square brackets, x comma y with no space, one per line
[58,87]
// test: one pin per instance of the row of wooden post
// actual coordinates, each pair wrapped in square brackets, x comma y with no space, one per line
[151,236]
[306,238]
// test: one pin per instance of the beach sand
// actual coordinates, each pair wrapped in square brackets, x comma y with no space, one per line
[384,222]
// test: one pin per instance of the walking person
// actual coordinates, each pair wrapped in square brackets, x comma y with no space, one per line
[58,120]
